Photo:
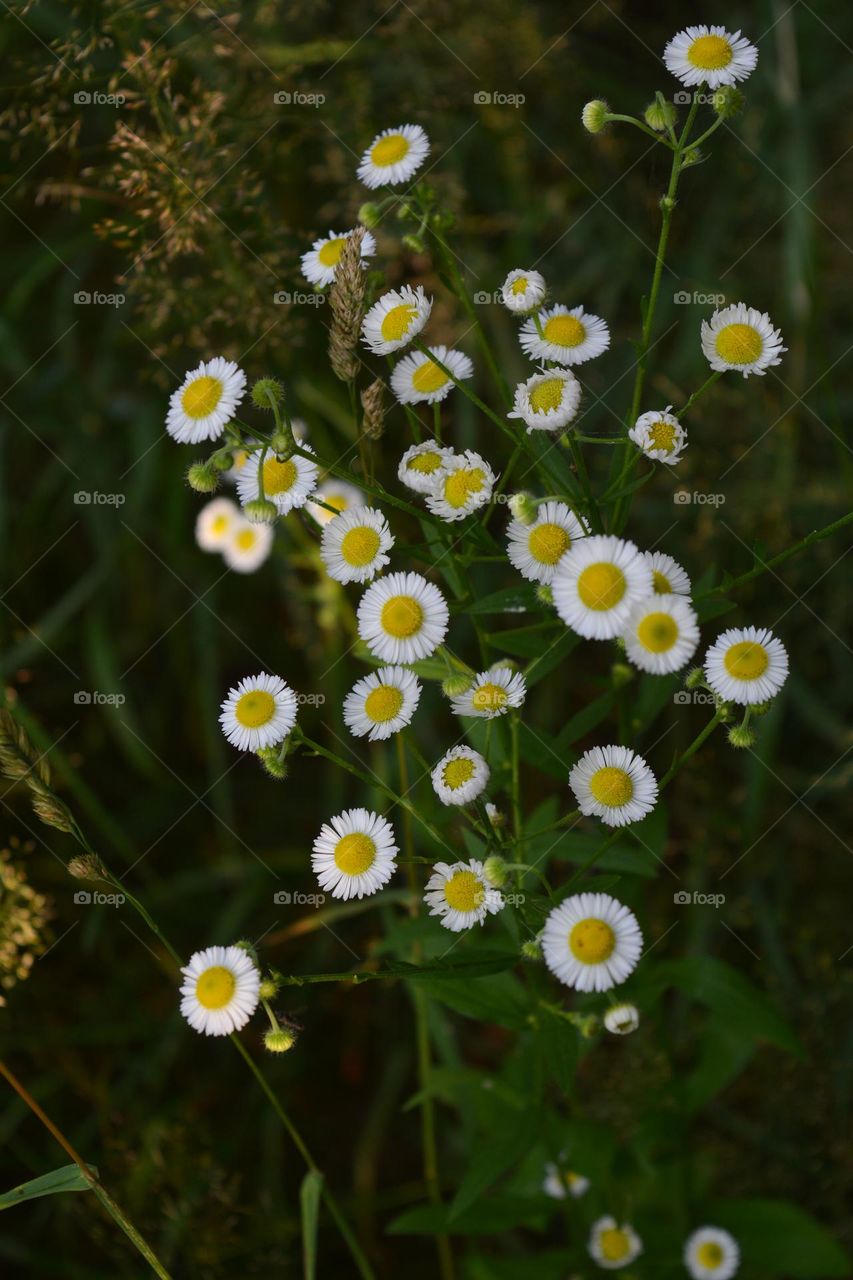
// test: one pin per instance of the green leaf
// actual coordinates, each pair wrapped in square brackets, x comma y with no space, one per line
[524,642]
[309,1200]
[491,1159]
[520,599]
[492,1216]
[68,1178]
[744,1007]
[780,1238]
[499,998]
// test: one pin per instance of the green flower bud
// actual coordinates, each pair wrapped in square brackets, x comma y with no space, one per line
[695,678]
[544,594]
[281,444]
[595,115]
[494,869]
[524,507]
[415,243]
[621,674]
[727,101]
[268,988]
[691,157]
[221,460]
[202,477]
[761,708]
[261,511]
[269,758]
[369,215]
[454,685]
[279,1041]
[660,115]
[249,947]
[266,392]
[741,736]
[531,950]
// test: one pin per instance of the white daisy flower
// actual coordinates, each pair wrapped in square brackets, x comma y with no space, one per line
[259,712]
[420,465]
[334,493]
[660,436]
[536,549]
[320,263]
[205,401]
[711,1254]
[354,545]
[460,894]
[711,56]
[354,854]
[741,338]
[547,401]
[463,485]
[492,693]
[402,618]
[215,522]
[613,784]
[523,291]
[622,1019]
[591,942]
[220,991]
[287,483]
[569,336]
[668,577]
[460,776]
[395,319]
[661,634]
[746,665]
[393,156]
[417,379]
[596,583]
[612,1246]
[382,703]
[248,545]
[560,1183]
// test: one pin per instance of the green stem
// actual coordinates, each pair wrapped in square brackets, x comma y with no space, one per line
[817,535]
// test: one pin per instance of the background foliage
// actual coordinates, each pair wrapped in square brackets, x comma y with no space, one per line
[194,199]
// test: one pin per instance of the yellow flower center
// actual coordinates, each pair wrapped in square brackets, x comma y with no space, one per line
[611,786]
[355,854]
[592,941]
[464,892]
[390,150]
[396,321]
[359,546]
[426,463]
[238,459]
[428,377]
[489,697]
[746,660]
[330,254]
[660,583]
[547,395]
[710,53]
[457,772]
[614,1244]
[201,397]
[709,1254]
[336,500]
[548,542]
[215,987]
[402,617]
[662,436]
[461,485]
[564,331]
[219,524]
[383,704]
[278,476]
[246,539]
[601,586]
[254,708]
[739,344]
[519,285]
[657,632]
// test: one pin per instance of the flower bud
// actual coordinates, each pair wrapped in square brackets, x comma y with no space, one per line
[524,507]
[741,736]
[455,685]
[279,1040]
[221,460]
[494,869]
[695,678]
[415,243]
[281,444]
[531,949]
[727,101]
[269,758]
[621,674]
[595,115]
[369,215]
[261,511]
[496,818]
[622,1019]
[249,947]
[691,157]
[266,392]
[660,115]
[544,594]
[203,477]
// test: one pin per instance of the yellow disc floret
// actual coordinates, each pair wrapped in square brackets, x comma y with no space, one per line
[592,941]
[547,395]
[330,253]
[426,463]
[279,477]
[355,854]
[548,542]
[564,331]
[614,1244]
[402,617]
[611,786]
[488,697]
[710,53]
[457,772]
[601,586]
[662,435]
[657,632]
[201,397]
[746,660]
[390,150]
[215,987]
[463,484]
[396,321]
[428,377]
[254,708]
[359,546]
[710,1254]
[739,344]
[383,703]
[464,892]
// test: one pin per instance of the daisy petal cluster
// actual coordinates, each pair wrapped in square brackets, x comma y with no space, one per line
[402,618]
[560,1183]
[420,465]
[668,577]
[287,482]
[565,335]
[464,484]
[536,549]
[259,712]
[711,1254]
[337,494]
[591,942]
[596,584]
[460,776]
[523,291]
[711,56]
[320,263]
[382,703]
[417,378]
[614,784]
[395,319]
[220,990]
[205,401]
[394,156]
[661,633]
[354,545]
[622,1019]
[747,665]
[492,693]
[660,436]
[460,895]
[741,338]
[354,854]
[612,1245]
[547,401]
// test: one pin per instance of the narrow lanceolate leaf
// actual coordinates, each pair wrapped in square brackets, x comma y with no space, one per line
[309,1201]
[68,1178]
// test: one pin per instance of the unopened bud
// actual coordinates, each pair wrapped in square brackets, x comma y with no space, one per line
[695,678]
[660,115]
[279,1040]
[741,736]
[494,869]
[524,507]
[595,115]
[274,766]
[621,674]
[531,950]
[369,215]
[455,685]
[261,511]
[266,392]
[544,594]
[728,101]
[203,477]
